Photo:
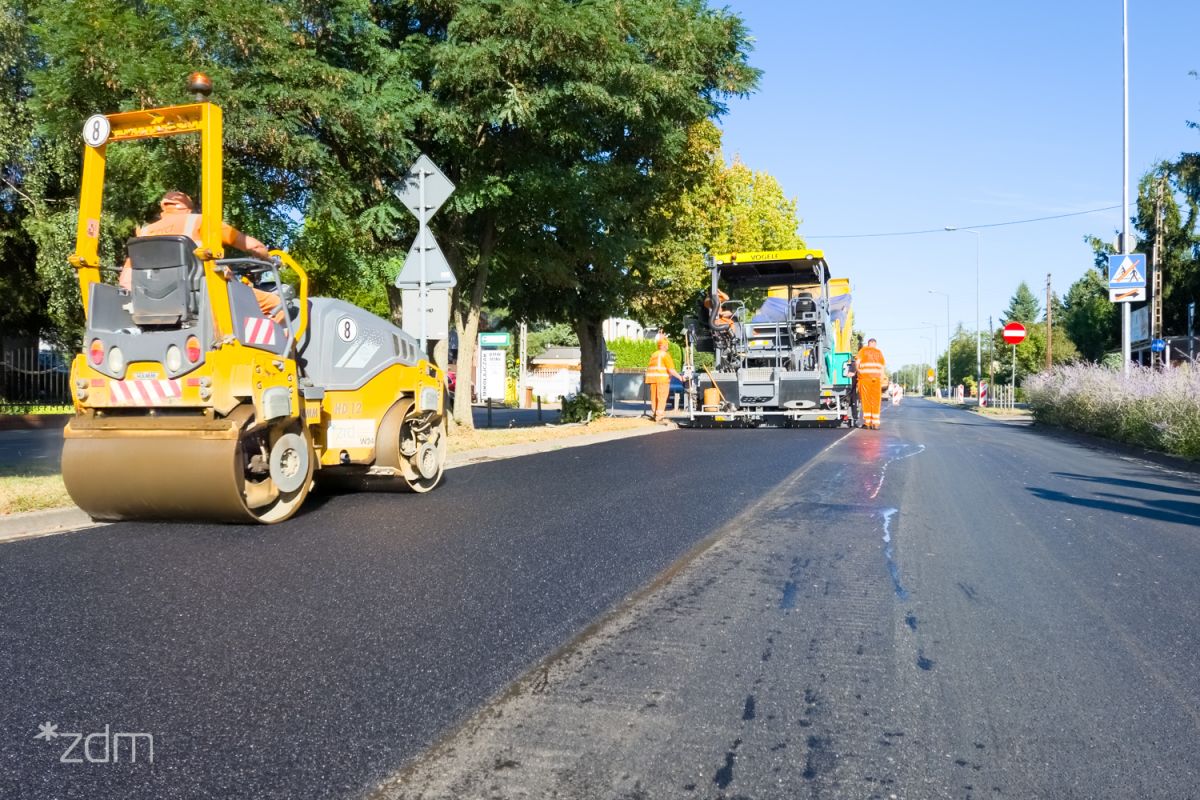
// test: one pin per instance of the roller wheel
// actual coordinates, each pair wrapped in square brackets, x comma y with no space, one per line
[276,494]
[424,442]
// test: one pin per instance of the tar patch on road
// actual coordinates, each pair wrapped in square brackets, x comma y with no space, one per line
[766,668]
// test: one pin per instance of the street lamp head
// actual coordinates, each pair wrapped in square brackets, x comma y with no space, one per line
[951,228]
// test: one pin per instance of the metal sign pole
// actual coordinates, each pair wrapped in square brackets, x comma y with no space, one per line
[1013,383]
[422,231]
[1126,354]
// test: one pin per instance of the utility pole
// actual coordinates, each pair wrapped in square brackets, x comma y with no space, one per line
[1156,281]
[1049,323]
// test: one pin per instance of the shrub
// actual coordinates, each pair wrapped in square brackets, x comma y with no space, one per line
[635,354]
[1153,409]
[581,408]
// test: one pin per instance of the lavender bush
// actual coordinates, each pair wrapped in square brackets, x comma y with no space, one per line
[1157,410]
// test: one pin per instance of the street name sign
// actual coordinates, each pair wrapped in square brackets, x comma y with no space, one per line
[494,339]
[1014,333]
[1127,278]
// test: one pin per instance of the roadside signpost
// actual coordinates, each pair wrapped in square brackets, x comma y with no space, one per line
[491,379]
[1158,345]
[1014,334]
[1127,278]
[426,277]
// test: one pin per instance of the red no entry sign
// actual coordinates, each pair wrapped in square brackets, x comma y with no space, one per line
[1014,333]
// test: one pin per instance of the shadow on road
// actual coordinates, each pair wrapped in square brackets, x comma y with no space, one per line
[1159,510]
[1125,482]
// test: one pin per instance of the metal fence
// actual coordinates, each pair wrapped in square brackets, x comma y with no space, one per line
[32,376]
[1001,396]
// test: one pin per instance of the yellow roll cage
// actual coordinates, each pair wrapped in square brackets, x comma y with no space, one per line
[205,119]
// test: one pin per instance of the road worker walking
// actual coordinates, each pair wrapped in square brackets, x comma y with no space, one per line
[872,373]
[659,372]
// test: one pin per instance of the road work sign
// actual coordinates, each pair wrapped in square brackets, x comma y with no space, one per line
[1127,278]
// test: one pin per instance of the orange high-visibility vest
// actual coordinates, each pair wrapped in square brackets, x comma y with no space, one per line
[870,363]
[660,368]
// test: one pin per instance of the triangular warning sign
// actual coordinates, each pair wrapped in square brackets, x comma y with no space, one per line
[438,274]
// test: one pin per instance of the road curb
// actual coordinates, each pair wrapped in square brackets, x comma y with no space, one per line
[486,454]
[31,524]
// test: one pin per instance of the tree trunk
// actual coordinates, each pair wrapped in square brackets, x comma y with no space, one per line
[441,353]
[467,326]
[591,356]
[395,305]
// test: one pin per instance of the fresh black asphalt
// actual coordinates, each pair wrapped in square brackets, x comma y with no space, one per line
[309,659]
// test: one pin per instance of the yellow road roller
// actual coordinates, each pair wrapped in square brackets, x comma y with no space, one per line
[192,404]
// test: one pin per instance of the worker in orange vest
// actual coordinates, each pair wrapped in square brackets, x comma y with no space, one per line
[872,377]
[178,218]
[658,377]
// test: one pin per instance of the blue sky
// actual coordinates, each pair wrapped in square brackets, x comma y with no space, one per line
[884,116]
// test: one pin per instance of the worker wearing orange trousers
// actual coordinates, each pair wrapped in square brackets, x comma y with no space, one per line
[178,219]
[872,376]
[658,377]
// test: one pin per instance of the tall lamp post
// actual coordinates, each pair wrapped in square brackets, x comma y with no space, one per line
[949,340]
[978,330]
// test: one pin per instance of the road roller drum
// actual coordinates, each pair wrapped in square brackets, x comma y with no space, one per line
[213,387]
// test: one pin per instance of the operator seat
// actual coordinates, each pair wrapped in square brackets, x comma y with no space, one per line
[165,280]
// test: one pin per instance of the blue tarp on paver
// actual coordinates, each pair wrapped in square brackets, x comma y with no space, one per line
[773,310]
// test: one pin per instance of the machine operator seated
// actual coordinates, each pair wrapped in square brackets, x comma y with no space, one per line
[178,218]
[725,319]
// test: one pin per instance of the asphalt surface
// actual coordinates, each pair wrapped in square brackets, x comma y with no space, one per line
[313,658]
[952,607]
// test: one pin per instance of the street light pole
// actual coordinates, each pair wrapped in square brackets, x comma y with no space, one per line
[978,330]
[949,340]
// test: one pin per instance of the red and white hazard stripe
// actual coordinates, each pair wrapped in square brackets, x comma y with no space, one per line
[259,330]
[143,392]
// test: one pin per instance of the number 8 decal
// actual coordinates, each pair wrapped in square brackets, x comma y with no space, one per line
[96,130]
[347,329]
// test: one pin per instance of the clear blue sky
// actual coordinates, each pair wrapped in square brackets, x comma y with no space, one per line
[883,116]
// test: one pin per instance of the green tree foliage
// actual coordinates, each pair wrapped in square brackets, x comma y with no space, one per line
[568,128]
[685,225]
[316,124]
[757,214]
[727,209]
[1088,318]
[23,311]
[1031,353]
[636,78]
[1023,307]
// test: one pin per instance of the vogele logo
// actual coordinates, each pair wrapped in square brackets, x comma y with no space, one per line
[101,747]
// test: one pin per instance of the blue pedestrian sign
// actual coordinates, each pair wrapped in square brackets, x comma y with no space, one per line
[1127,278]
[1158,345]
